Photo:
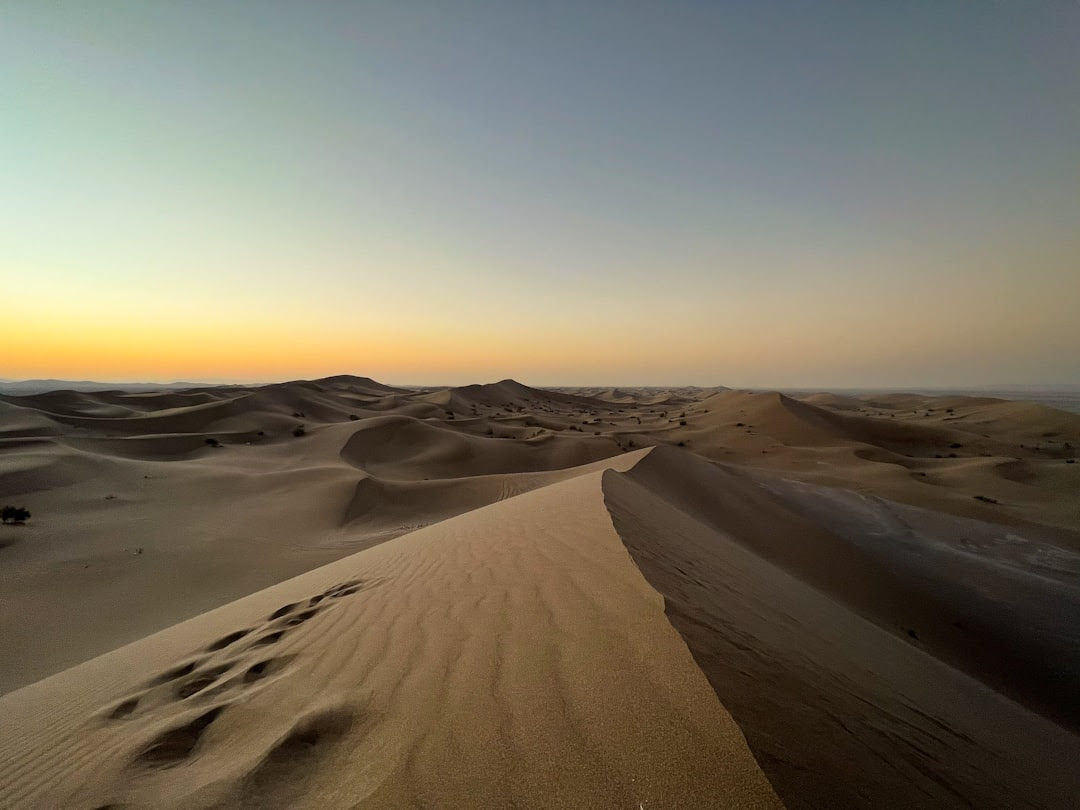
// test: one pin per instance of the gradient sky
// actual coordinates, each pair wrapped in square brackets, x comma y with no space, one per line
[759,194]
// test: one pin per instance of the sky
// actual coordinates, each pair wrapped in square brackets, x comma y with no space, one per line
[754,194]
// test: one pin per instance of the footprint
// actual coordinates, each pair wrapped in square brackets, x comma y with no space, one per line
[174,746]
[344,589]
[176,672]
[284,610]
[269,638]
[225,641]
[201,681]
[282,772]
[124,709]
[264,669]
[300,618]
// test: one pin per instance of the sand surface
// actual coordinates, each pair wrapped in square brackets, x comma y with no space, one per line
[338,593]
[513,656]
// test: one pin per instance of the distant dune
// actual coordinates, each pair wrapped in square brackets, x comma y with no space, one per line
[337,593]
[25,387]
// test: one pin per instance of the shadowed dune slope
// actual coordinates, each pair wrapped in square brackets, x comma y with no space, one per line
[510,394]
[19,421]
[362,385]
[408,449]
[513,656]
[835,627]
[800,423]
[116,414]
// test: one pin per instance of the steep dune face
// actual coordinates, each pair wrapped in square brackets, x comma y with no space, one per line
[510,657]
[827,625]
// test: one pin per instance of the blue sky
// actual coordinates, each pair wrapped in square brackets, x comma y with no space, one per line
[766,194]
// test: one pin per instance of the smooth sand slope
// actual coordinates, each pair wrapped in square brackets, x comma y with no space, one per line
[514,656]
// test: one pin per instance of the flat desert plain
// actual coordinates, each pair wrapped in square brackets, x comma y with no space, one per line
[341,594]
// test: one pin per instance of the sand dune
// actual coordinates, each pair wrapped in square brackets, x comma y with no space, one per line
[842,678]
[647,395]
[404,448]
[509,395]
[512,656]
[881,590]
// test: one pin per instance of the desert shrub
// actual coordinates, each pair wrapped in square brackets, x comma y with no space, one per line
[298,431]
[14,514]
[261,433]
[954,445]
[682,444]
[213,442]
[985,499]
[740,424]
[353,417]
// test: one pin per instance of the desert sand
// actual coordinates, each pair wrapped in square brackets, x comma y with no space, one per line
[342,594]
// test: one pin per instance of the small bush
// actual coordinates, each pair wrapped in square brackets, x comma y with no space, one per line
[985,499]
[213,442]
[14,514]
[955,445]
[682,422]
[353,417]
[298,431]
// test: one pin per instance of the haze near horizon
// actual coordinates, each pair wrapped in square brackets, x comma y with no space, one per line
[843,196]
